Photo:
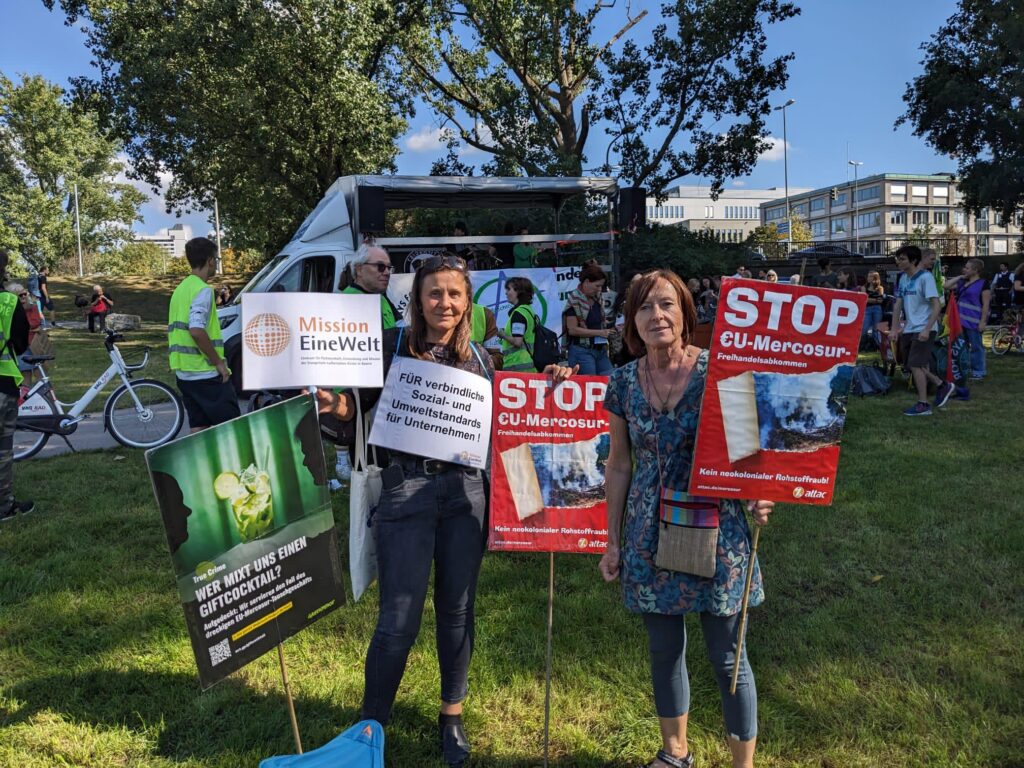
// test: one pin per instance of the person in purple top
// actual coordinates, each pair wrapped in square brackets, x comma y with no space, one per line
[973,296]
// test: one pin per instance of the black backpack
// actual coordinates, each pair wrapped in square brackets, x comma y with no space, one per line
[870,380]
[546,349]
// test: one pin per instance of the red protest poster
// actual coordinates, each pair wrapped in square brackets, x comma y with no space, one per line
[781,365]
[549,450]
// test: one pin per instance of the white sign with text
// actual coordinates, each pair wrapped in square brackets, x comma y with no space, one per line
[292,340]
[434,411]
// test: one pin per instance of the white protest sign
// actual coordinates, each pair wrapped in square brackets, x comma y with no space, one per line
[292,340]
[434,411]
[551,287]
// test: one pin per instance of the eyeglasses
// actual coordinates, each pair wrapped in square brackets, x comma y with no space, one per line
[381,266]
[23,295]
[443,261]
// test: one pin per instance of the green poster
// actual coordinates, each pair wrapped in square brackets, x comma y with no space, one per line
[248,519]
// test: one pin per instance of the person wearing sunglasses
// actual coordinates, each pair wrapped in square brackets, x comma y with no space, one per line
[431,513]
[369,271]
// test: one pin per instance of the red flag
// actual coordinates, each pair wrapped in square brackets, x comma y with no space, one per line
[955,330]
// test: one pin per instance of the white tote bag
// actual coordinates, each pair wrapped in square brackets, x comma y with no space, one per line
[364,495]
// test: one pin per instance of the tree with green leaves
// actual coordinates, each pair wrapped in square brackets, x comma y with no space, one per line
[261,105]
[768,240]
[133,258]
[529,83]
[46,148]
[688,254]
[969,101]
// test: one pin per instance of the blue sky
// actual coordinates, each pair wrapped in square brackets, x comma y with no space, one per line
[853,60]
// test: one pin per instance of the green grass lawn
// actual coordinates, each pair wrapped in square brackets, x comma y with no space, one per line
[891,635]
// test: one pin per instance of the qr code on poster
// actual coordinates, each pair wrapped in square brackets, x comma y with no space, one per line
[220,652]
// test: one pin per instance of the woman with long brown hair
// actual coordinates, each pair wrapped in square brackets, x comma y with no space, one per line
[431,513]
[875,290]
[652,405]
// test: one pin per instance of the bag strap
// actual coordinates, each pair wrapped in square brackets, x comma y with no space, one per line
[487,375]
[360,444]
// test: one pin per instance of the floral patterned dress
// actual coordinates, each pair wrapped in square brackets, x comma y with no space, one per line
[646,588]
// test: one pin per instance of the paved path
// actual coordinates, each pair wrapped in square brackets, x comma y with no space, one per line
[90,436]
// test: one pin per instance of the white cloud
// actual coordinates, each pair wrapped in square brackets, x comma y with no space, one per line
[427,138]
[775,151]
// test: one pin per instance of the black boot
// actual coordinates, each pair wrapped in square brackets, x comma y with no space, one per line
[454,744]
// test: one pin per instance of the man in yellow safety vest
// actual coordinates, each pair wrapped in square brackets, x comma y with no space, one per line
[195,343]
[14,327]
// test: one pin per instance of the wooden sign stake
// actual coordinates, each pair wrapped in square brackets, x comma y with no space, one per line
[288,695]
[743,611]
[547,673]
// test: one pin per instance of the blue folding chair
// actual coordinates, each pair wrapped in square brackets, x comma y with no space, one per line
[361,746]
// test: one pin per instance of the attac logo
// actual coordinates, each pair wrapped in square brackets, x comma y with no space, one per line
[267,335]
[798,492]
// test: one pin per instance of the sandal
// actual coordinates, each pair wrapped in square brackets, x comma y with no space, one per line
[672,762]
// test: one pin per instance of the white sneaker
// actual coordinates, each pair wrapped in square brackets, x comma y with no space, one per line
[334,485]
[343,469]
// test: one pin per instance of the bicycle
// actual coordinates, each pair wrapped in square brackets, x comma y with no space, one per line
[141,413]
[1008,337]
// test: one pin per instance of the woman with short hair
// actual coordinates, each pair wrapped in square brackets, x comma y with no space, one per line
[520,332]
[653,405]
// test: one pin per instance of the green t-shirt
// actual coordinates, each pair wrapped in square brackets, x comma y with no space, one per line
[523,255]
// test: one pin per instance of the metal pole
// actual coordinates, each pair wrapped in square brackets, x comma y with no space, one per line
[216,228]
[78,234]
[785,172]
[856,205]
[547,672]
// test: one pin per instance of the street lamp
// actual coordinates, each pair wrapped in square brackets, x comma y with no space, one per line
[785,171]
[856,205]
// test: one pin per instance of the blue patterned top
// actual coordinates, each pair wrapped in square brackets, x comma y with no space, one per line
[645,588]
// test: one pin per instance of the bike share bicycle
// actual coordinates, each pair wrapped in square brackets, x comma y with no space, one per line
[141,413]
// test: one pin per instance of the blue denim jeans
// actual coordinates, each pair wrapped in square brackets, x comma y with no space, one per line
[437,520]
[977,352]
[592,361]
[666,637]
[872,317]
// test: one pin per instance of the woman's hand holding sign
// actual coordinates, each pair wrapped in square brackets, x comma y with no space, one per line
[560,373]
[760,509]
[336,404]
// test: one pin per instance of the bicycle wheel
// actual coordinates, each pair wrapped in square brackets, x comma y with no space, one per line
[159,421]
[27,441]
[1002,340]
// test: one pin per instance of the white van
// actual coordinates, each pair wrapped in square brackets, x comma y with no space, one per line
[354,208]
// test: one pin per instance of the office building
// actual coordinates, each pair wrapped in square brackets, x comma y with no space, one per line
[731,218]
[172,239]
[877,214]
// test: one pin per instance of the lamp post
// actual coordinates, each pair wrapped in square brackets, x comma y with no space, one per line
[216,227]
[78,234]
[856,205]
[785,171]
